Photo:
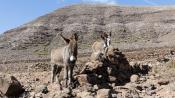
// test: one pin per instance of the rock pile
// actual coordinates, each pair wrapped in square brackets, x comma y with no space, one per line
[114,69]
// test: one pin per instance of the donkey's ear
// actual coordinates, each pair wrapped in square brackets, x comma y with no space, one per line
[105,35]
[110,33]
[102,36]
[65,39]
[76,36]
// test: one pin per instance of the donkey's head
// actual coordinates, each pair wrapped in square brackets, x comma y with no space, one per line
[72,47]
[107,39]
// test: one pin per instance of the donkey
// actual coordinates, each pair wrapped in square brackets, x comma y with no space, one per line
[102,46]
[64,57]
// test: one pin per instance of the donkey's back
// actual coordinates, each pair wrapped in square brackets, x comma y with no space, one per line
[57,55]
[98,46]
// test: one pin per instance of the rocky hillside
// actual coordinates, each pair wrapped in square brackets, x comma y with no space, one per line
[142,65]
[131,27]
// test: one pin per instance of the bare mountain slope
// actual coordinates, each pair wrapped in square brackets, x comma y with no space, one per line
[131,27]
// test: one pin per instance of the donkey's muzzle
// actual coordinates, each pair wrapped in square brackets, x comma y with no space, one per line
[72,59]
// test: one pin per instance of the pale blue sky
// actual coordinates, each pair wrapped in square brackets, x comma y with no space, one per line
[14,13]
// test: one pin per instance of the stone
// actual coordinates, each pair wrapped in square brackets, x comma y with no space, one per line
[65,93]
[131,94]
[151,92]
[163,82]
[104,93]
[143,79]
[139,88]
[38,95]
[42,88]
[140,67]
[10,86]
[114,96]
[112,79]
[134,78]
[84,79]
[84,94]
[32,95]
[95,87]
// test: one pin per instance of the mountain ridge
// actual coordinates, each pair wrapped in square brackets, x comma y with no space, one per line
[131,27]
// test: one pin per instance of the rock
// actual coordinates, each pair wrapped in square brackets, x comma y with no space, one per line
[140,67]
[10,86]
[139,88]
[114,96]
[104,93]
[42,88]
[28,87]
[117,58]
[163,59]
[65,93]
[91,66]
[152,87]
[134,78]
[143,79]
[84,94]
[112,79]
[87,87]
[151,92]
[131,94]
[112,69]
[84,79]
[1,95]
[38,95]
[152,77]
[95,87]
[37,79]
[163,82]
[149,86]
[32,94]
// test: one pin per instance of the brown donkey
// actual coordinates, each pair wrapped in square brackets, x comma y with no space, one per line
[64,57]
[102,46]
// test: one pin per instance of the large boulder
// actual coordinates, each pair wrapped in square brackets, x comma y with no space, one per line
[134,78]
[104,93]
[85,79]
[10,86]
[117,58]
[84,94]
[140,67]
[92,66]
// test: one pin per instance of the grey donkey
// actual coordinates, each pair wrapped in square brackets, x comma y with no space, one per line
[64,57]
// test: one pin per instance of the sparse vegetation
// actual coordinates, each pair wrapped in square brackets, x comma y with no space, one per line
[41,52]
[171,64]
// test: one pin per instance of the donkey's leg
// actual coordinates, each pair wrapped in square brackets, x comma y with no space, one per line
[58,71]
[71,75]
[66,75]
[58,80]
[53,72]
[69,80]
[105,51]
